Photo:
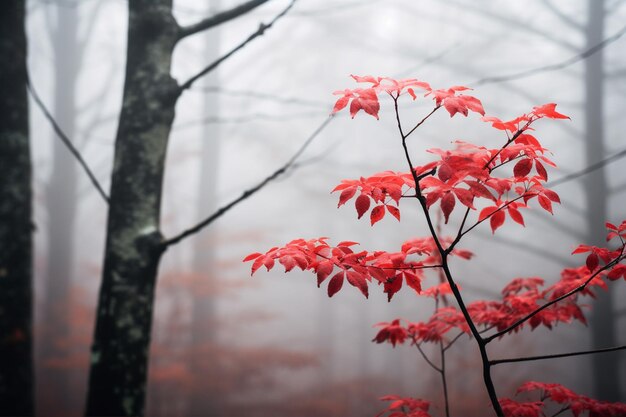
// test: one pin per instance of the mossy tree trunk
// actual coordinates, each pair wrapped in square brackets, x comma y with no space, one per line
[134,244]
[16,354]
[133,249]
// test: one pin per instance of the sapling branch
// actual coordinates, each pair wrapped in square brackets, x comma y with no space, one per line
[444,261]
[557,355]
[505,205]
[444,382]
[556,300]
[426,358]
[508,142]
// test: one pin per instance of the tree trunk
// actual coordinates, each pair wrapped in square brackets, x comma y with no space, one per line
[54,386]
[16,369]
[119,356]
[204,399]
[605,367]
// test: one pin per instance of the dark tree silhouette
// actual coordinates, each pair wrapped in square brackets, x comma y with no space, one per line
[16,367]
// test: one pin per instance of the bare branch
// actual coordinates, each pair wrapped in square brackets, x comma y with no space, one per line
[554,67]
[260,31]
[219,18]
[557,355]
[66,141]
[588,169]
[204,223]
[511,22]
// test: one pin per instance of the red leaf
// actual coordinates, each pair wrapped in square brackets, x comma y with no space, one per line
[346,195]
[541,170]
[341,103]
[552,195]
[362,204]
[392,286]
[497,220]
[545,203]
[252,256]
[394,212]
[465,197]
[486,212]
[516,215]
[522,168]
[592,261]
[413,281]
[335,284]
[447,205]
[347,243]
[288,262]
[324,269]
[366,100]
[377,214]
[357,280]
[549,111]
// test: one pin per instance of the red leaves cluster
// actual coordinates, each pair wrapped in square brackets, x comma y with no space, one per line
[366,99]
[596,254]
[520,297]
[359,268]
[383,189]
[569,400]
[405,407]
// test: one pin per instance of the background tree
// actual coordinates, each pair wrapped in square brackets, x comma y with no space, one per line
[16,226]
[135,244]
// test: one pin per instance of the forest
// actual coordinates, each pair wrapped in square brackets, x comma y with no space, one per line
[311,208]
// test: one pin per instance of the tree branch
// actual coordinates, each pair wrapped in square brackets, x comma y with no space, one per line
[553,67]
[219,18]
[557,355]
[588,169]
[260,31]
[248,193]
[556,300]
[66,141]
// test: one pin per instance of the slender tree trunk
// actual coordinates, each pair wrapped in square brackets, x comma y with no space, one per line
[61,205]
[16,361]
[605,367]
[204,400]
[119,356]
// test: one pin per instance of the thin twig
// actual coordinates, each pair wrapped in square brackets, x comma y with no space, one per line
[426,358]
[588,169]
[554,67]
[66,141]
[260,31]
[219,18]
[558,355]
[204,223]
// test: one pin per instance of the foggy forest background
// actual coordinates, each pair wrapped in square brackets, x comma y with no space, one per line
[275,345]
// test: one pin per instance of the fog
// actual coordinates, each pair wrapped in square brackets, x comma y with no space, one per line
[274,344]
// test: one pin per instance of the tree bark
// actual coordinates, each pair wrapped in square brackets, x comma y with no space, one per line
[16,355]
[119,356]
[606,381]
